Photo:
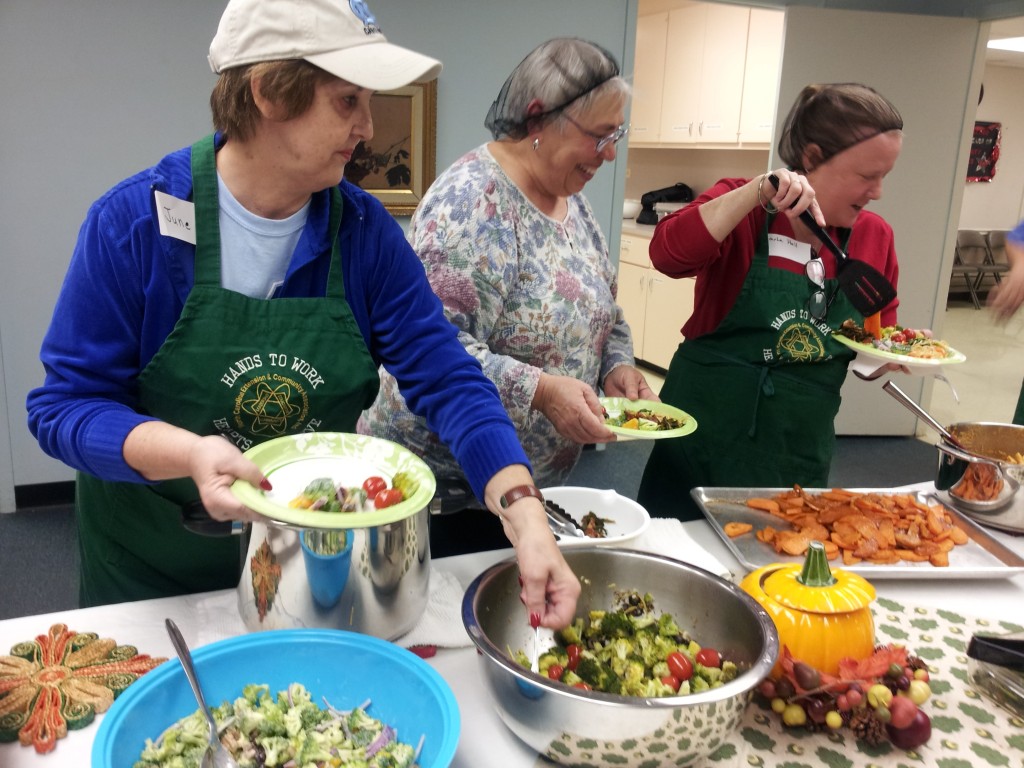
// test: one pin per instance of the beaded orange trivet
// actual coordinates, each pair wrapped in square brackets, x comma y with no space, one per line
[61,680]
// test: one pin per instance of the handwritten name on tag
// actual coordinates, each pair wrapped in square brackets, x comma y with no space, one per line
[177,217]
[788,248]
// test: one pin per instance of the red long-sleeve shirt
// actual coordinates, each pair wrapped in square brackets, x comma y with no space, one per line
[683,247]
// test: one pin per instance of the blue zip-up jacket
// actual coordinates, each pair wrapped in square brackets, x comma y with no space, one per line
[126,286]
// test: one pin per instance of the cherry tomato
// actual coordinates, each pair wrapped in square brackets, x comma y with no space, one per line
[374,485]
[671,681]
[679,666]
[387,498]
[573,652]
[555,671]
[709,657]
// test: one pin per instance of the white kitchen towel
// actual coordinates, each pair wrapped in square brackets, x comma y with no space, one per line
[666,536]
[441,623]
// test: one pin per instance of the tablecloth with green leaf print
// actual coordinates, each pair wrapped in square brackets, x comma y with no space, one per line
[968,730]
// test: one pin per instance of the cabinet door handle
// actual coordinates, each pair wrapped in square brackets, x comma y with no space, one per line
[700,128]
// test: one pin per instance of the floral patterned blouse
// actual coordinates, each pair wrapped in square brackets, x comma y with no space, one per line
[527,293]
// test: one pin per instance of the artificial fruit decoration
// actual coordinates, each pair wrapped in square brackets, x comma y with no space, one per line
[822,616]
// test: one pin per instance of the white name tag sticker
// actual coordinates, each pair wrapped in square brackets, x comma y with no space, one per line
[177,217]
[788,248]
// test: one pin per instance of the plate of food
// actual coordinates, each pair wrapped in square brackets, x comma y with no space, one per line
[922,538]
[337,480]
[604,517]
[906,346]
[646,419]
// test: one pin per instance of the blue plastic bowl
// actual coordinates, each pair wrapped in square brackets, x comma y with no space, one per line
[347,668]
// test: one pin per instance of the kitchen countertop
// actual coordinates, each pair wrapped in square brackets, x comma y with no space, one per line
[630,227]
[483,734]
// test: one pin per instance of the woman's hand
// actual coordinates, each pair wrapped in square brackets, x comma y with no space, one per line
[549,587]
[214,465]
[793,196]
[626,381]
[1006,297]
[573,408]
[160,451]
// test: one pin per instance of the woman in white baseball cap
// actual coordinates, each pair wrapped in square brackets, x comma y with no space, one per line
[239,290]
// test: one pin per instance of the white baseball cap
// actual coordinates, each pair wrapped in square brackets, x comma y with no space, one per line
[339,36]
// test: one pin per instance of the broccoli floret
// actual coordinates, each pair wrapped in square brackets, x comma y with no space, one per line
[617,624]
[320,487]
[572,633]
[729,671]
[597,674]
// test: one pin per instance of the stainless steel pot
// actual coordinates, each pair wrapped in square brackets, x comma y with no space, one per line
[987,446]
[369,580]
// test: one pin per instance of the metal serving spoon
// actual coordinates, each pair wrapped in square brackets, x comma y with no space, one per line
[216,755]
[903,399]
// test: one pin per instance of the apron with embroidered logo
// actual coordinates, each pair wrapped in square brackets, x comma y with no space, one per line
[247,369]
[764,389]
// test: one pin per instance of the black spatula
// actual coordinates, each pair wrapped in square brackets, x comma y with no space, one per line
[866,288]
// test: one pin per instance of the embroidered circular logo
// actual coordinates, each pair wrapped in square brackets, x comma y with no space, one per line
[800,342]
[266,405]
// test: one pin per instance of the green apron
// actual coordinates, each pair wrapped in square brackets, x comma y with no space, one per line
[1018,413]
[247,369]
[764,389]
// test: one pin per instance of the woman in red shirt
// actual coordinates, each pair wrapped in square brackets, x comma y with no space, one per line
[758,369]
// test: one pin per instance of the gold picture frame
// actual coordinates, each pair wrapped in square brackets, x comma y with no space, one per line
[398,164]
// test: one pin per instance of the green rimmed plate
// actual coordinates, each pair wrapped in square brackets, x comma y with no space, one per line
[616,405]
[291,462]
[870,350]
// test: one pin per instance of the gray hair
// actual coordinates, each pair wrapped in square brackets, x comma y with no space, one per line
[561,72]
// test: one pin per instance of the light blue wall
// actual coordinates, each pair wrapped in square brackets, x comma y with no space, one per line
[93,90]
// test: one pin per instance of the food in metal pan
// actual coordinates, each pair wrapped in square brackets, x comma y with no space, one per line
[632,651]
[874,527]
[980,482]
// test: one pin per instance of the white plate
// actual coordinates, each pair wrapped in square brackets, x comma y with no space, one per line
[885,356]
[626,518]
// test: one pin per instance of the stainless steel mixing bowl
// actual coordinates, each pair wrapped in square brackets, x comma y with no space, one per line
[577,727]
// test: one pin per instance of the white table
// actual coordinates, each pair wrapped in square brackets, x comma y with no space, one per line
[483,735]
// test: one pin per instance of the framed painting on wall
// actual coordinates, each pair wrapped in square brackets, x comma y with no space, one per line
[981,165]
[398,164]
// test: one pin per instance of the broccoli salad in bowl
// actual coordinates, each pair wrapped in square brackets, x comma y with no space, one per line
[262,731]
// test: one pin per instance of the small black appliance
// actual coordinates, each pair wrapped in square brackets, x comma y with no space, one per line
[677,193]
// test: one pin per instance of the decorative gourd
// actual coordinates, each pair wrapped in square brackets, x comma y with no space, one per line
[822,616]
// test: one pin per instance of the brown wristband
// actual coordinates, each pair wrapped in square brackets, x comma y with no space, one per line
[513,495]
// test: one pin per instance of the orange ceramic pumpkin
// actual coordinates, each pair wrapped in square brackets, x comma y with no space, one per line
[822,616]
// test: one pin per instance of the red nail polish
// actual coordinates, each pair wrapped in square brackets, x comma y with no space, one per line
[265,485]
[534,619]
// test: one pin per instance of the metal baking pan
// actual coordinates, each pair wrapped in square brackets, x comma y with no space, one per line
[982,557]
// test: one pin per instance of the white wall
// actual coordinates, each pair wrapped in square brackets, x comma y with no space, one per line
[928,67]
[999,204]
[94,90]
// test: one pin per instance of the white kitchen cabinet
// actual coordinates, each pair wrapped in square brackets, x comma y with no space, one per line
[761,75]
[705,54]
[655,306]
[648,78]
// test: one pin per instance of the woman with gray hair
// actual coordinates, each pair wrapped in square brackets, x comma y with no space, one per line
[759,369]
[516,255]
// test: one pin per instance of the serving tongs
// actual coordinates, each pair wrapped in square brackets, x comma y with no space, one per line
[561,522]
[866,288]
[905,400]
[995,666]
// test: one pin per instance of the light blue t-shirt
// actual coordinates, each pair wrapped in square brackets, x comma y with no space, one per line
[255,252]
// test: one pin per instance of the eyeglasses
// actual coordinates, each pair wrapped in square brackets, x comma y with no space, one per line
[602,141]
[819,302]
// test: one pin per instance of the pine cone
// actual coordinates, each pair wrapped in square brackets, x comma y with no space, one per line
[868,728]
[916,662]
